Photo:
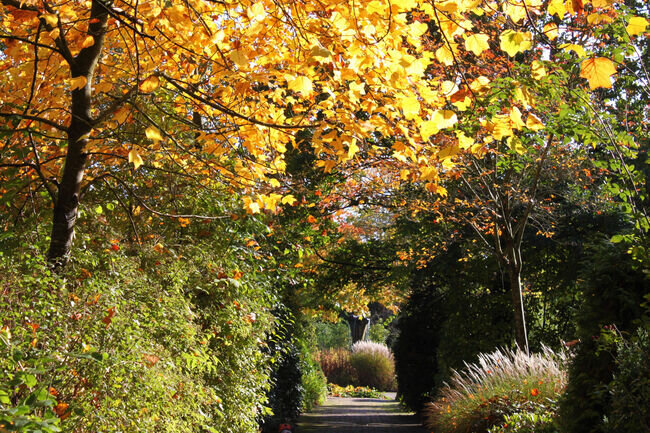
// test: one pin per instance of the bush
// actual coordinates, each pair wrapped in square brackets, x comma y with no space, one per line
[614,286]
[332,335]
[500,384]
[374,365]
[630,388]
[314,383]
[336,366]
[132,341]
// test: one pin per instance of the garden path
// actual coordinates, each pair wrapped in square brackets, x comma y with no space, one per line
[359,415]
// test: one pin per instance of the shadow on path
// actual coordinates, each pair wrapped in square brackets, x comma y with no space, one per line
[359,415]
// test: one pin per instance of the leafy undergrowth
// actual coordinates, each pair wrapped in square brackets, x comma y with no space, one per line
[505,391]
[355,392]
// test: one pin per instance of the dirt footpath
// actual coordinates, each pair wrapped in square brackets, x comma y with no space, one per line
[359,415]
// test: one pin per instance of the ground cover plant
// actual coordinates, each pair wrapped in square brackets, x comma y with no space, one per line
[355,392]
[502,385]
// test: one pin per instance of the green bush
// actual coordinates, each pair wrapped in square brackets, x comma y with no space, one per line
[374,365]
[630,387]
[314,383]
[119,341]
[614,286]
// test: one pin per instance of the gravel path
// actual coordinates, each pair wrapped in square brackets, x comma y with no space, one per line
[359,415]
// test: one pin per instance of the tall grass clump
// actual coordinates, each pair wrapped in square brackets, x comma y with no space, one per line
[502,385]
[374,365]
[336,366]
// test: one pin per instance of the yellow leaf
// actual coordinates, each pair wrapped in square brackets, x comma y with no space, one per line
[464,142]
[636,25]
[502,127]
[533,123]
[153,133]
[551,31]
[104,86]
[352,148]
[288,199]
[445,56]
[256,12]
[575,48]
[444,118]
[556,7]
[410,107]
[598,71]
[328,165]
[515,118]
[252,207]
[50,19]
[595,19]
[418,28]
[428,128]
[602,3]
[239,57]
[515,144]
[537,70]
[135,158]
[477,43]
[516,12]
[513,42]
[77,82]
[88,42]
[150,84]
[301,84]
[121,115]
[318,51]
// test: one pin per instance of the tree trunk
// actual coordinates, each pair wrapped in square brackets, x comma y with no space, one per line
[521,333]
[358,326]
[81,123]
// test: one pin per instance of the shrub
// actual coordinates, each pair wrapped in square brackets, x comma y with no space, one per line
[374,365]
[156,341]
[614,286]
[314,383]
[630,388]
[336,366]
[501,383]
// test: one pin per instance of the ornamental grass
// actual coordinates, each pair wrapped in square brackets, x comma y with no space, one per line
[374,365]
[498,385]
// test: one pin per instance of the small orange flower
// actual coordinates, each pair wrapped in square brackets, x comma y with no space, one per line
[534,392]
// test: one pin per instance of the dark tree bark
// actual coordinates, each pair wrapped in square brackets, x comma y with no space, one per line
[81,123]
[358,326]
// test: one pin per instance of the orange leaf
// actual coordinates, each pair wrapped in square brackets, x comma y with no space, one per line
[61,409]
[598,71]
[150,84]
[109,316]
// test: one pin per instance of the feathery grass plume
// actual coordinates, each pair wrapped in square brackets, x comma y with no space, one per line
[374,365]
[372,347]
[500,383]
